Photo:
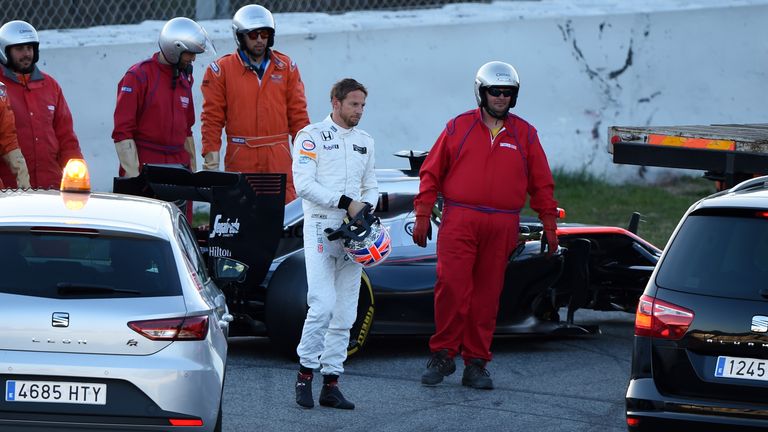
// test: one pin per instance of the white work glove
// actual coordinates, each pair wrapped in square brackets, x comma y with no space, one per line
[129,158]
[211,161]
[17,163]
[189,146]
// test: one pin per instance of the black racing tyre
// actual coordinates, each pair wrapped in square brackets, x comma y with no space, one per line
[286,308]
[286,304]
[360,330]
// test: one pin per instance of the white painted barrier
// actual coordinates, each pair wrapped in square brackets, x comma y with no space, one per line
[584,65]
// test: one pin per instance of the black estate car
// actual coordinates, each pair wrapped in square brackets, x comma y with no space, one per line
[700,355]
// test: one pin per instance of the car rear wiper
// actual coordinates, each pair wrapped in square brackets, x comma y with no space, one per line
[69,288]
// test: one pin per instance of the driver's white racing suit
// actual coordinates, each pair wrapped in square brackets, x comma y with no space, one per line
[330,162]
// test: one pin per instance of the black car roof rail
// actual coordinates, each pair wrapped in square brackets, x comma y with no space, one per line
[758,182]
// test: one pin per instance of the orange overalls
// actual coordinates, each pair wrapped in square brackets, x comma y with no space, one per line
[259,115]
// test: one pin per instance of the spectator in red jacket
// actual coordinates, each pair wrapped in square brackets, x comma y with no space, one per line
[43,120]
[155,112]
[485,163]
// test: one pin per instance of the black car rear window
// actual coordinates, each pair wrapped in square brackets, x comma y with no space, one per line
[720,253]
[85,264]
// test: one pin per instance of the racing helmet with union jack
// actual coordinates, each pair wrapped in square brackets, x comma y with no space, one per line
[365,240]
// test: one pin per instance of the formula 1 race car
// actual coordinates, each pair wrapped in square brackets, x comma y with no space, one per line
[596,267]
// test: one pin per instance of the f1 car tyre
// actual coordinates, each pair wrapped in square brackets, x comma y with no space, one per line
[286,307]
[358,334]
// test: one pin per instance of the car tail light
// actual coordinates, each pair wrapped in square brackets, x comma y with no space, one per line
[633,421]
[185,422]
[173,329]
[660,319]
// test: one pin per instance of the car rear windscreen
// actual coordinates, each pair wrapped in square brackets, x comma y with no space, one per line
[85,264]
[719,253]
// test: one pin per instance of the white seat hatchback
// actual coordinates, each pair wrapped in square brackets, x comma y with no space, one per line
[110,320]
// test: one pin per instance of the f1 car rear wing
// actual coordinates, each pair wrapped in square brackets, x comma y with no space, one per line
[729,153]
[246,215]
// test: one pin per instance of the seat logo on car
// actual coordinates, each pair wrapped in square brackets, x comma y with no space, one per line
[60,319]
[759,324]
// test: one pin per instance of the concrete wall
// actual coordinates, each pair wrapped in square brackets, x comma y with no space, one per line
[584,65]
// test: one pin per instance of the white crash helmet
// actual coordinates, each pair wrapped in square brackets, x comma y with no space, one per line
[252,17]
[18,33]
[181,35]
[496,74]
[365,240]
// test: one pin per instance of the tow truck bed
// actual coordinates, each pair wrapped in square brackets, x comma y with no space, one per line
[728,152]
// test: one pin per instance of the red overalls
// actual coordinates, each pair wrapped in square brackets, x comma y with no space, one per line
[153,112]
[484,182]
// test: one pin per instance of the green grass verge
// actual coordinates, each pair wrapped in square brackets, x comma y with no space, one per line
[587,199]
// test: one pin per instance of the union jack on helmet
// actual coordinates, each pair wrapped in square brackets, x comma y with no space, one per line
[373,250]
[365,240]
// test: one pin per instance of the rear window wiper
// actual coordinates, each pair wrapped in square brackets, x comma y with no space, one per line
[69,288]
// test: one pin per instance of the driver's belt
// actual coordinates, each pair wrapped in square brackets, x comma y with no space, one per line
[483,209]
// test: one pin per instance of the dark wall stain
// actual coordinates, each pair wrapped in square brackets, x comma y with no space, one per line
[627,63]
[648,99]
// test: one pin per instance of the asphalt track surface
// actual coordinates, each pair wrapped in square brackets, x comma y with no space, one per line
[542,384]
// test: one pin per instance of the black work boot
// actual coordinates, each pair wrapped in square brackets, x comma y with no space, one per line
[330,396]
[304,390]
[476,375]
[439,366]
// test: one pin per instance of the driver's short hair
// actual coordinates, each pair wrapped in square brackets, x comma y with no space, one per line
[341,89]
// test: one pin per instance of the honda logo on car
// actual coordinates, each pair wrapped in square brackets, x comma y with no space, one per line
[759,324]
[224,229]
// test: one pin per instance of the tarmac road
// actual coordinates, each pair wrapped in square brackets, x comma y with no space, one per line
[553,384]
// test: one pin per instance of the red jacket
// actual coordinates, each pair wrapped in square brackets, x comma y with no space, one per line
[472,170]
[43,126]
[8,141]
[154,113]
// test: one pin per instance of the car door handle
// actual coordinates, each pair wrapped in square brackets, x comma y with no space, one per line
[225,320]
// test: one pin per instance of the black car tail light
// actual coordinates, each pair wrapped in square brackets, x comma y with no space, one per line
[633,421]
[660,319]
[173,329]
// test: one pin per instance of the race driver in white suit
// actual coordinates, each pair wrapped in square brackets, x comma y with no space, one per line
[333,173]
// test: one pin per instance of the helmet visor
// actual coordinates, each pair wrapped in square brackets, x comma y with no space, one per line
[205,50]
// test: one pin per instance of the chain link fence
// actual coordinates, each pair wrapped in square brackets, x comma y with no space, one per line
[64,14]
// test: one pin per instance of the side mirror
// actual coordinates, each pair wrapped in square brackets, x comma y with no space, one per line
[227,270]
